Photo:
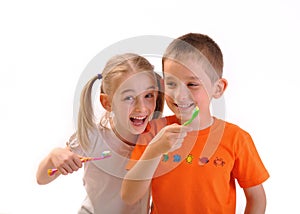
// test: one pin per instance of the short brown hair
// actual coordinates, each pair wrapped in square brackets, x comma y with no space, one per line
[191,43]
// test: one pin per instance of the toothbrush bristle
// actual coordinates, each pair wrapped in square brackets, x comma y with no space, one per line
[105,153]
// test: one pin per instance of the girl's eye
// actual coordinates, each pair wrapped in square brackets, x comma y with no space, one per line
[129,98]
[149,95]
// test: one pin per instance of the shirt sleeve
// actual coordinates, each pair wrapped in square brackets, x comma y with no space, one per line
[74,145]
[249,169]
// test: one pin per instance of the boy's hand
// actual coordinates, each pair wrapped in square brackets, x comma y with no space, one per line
[65,161]
[169,138]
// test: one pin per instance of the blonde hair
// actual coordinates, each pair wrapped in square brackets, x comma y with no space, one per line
[119,64]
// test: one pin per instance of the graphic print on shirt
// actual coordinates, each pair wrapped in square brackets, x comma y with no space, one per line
[176,158]
[219,162]
[189,158]
[204,160]
[165,157]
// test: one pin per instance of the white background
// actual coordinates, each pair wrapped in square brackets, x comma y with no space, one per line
[45,45]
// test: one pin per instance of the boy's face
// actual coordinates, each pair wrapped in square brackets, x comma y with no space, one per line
[187,86]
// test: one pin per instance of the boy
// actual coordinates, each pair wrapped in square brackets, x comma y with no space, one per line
[192,169]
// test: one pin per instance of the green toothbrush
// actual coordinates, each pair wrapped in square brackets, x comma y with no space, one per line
[194,115]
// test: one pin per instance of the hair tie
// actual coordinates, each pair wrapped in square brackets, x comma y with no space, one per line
[99,76]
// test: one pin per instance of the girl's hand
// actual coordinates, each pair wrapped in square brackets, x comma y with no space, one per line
[169,139]
[65,161]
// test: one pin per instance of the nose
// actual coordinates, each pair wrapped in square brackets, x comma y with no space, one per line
[140,105]
[181,93]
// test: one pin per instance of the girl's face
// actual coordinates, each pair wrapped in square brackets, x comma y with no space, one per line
[133,103]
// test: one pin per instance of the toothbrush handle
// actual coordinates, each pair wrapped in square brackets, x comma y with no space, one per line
[83,160]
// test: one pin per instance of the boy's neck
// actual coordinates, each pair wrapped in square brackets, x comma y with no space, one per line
[207,124]
[203,123]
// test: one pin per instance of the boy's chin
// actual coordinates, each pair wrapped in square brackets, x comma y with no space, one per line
[183,116]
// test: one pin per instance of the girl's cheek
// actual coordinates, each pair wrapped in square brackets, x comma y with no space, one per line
[151,105]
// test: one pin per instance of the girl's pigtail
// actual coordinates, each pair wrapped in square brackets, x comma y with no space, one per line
[86,114]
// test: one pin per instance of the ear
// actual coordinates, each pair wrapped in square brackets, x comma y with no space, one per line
[219,87]
[105,101]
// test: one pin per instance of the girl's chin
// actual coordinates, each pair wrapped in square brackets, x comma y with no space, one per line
[138,129]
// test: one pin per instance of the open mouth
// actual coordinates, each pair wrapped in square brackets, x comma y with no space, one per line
[138,120]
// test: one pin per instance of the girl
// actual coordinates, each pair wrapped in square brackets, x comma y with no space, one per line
[130,95]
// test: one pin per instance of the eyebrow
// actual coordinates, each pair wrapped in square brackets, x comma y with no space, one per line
[188,78]
[131,90]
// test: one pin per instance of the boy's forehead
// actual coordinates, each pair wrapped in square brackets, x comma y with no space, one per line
[187,69]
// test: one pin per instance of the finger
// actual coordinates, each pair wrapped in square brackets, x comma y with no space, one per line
[73,166]
[62,171]
[177,136]
[179,128]
[77,162]
[187,128]
[67,168]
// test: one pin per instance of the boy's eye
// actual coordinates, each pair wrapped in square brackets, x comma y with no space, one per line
[193,84]
[171,84]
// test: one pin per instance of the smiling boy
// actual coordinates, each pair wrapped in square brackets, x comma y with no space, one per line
[193,169]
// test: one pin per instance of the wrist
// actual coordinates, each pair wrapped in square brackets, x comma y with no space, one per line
[152,152]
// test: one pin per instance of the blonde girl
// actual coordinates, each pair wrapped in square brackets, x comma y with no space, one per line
[130,94]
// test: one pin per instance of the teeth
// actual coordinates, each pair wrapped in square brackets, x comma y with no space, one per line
[139,117]
[184,105]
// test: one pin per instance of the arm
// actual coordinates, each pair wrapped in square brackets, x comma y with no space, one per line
[255,200]
[62,159]
[138,179]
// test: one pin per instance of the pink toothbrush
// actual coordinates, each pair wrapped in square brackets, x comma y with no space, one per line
[105,154]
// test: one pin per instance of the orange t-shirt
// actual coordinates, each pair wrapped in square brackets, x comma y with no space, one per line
[182,185]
